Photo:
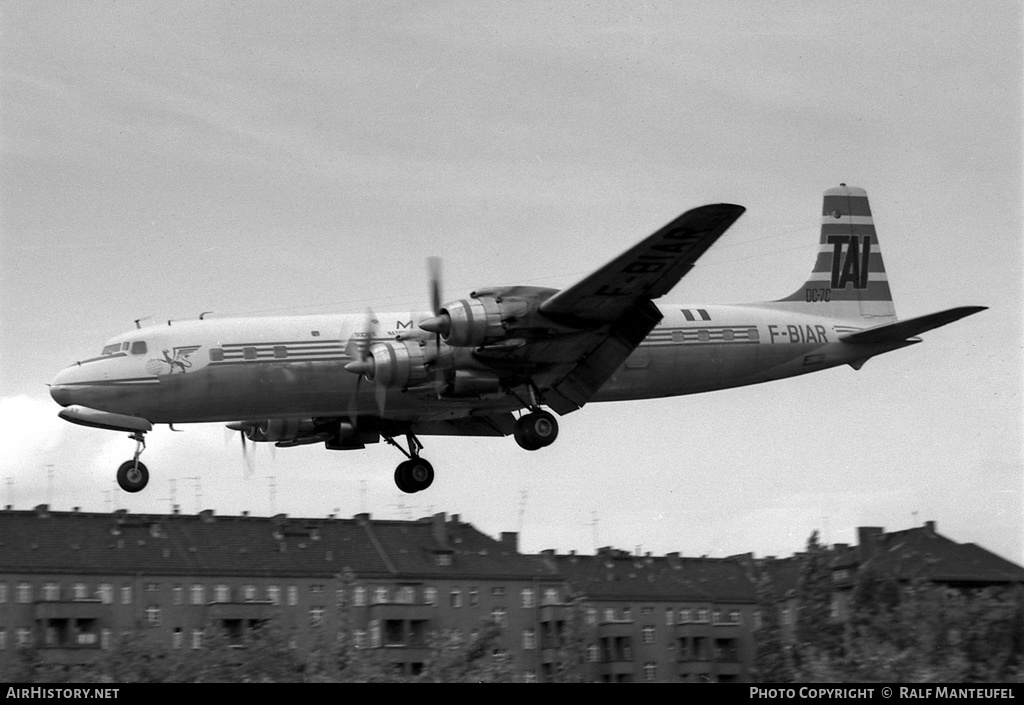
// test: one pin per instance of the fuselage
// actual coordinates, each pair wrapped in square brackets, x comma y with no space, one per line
[222,370]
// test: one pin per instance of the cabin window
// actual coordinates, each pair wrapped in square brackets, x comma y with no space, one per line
[727,335]
[704,335]
[752,334]
[139,347]
[216,355]
[280,351]
[249,353]
[677,336]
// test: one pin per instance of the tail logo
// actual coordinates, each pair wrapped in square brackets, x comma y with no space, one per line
[850,257]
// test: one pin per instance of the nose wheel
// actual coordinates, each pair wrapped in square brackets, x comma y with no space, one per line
[133,476]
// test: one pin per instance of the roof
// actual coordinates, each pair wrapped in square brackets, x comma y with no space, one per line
[617,575]
[43,541]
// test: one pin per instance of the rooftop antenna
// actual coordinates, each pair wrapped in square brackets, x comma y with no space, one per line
[138,321]
[49,483]
[199,492]
[10,491]
[522,508]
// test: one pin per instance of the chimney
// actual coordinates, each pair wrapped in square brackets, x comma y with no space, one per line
[42,510]
[673,560]
[510,539]
[930,525]
[207,516]
[867,540]
[438,530]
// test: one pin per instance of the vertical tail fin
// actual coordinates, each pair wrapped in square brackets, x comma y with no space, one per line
[848,280]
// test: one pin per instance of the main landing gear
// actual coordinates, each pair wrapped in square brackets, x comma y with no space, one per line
[415,474]
[132,476]
[536,430]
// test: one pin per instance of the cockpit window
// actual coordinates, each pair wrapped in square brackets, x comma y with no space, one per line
[139,347]
[111,349]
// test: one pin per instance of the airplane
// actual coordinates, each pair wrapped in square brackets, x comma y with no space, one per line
[487,365]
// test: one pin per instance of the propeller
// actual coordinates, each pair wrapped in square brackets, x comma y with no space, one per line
[362,364]
[248,458]
[441,323]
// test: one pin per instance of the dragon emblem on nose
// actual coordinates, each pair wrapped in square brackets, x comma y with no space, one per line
[174,361]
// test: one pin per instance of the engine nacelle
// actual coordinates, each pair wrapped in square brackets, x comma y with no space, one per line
[274,430]
[482,320]
[397,364]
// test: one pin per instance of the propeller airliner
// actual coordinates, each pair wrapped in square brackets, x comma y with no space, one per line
[489,364]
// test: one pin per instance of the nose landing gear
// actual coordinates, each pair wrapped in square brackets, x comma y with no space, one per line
[133,476]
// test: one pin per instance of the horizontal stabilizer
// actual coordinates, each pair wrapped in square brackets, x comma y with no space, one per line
[903,330]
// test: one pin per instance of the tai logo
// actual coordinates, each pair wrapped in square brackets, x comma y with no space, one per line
[850,257]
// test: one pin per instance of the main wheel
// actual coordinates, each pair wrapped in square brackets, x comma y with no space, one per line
[132,476]
[414,475]
[536,430]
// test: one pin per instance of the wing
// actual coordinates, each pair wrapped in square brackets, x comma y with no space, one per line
[611,311]
[644,272]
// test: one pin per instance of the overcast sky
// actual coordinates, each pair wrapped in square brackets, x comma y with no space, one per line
[165,159]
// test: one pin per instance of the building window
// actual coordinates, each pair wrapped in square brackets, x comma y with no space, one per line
[529,639]
[153,616]
[106,593]
[3,638]
[152,587]
[430,596]
[526,598]
[498,591]
[316,616]
[197,638]
[51,592]
[198,595]
[474,597]
[359,597]
[375,634]
[222,593]
[360,638]
[105,639]
[126,594]
[293,595]
[551,596]
[716,616]
[669,614]
[249,593]
[592,653]
[405,595]
[316,589]
[177,638]
[3,593]
[684,616]
[274,594]
[627,614]
[456,597]
[530,676]
[340,597]
[24,637]
[609,614]
[79,591]
[444,559]
[500,616]
[650,672]
[648,633]
[178,593]
[734,616]
[380,596]
[702,616]
[591,616]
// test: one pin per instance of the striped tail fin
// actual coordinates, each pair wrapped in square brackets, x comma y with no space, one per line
[848,280]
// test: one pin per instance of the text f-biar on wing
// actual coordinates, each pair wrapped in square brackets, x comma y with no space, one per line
[646,271]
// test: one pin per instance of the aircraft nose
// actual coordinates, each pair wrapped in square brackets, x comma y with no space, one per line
[60,389]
